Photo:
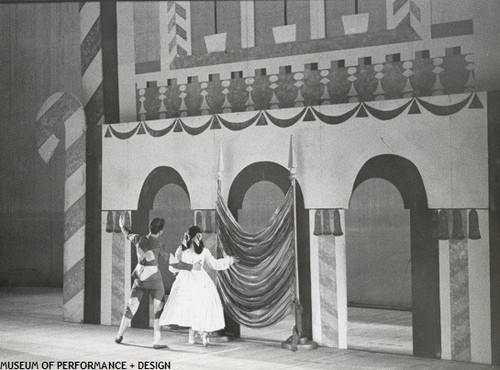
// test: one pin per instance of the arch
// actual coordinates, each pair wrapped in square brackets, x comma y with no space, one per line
[400,172]
[279,175]
[404,175]
[156,179]
[253,173]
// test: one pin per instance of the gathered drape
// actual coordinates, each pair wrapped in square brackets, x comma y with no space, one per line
[259,290]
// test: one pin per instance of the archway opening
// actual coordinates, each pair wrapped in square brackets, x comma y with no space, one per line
[379,269]
[254,195]
[401,174]
[164,194]
[172,204]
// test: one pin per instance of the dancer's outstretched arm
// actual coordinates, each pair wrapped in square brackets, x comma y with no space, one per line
[221,263]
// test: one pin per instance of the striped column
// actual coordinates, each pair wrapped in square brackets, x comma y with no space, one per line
[118,287]
[328,290]
[115,268]
[179,30]
[332,277]
[64,109]
[459,290]
[91,62]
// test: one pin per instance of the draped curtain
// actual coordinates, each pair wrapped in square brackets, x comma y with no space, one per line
[259,290]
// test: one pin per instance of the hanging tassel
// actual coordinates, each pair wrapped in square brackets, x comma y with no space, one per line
[116,222]
[109,222]
[337,226]
[443,226]
[327,229]
[474,225]
[457,232]
[317,223]
[199,220]
[128,223]
[209,228]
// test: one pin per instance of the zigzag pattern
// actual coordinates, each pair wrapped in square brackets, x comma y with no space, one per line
[179,30]
[63,109]
[417,10]
[91,56]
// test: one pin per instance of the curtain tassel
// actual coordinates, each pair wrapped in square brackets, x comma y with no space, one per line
[337,227]
[457,232]
[128,223]
[208,222]
[474,225]
[327,229]
[199,220]
[109,222]
[317,223]
[116,222]
[443,227]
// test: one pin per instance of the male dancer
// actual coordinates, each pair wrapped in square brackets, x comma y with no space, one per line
[147,277]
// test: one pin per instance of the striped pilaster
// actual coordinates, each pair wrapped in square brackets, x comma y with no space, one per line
[74,215]
[118,287]
[115,268]
[459,296]
[179,30]
[63,109]
[91,62]
[106,267]
[328,291]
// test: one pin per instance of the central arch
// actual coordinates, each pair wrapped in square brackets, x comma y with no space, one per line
[279,176]
[161,183]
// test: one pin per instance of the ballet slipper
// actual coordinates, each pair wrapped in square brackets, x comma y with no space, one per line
[191,336]
[119,339]
[160,346]
[204,339]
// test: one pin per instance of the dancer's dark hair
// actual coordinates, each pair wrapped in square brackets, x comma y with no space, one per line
[191,233]
[156,225]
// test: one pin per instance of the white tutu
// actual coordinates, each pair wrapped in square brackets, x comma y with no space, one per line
[194,301]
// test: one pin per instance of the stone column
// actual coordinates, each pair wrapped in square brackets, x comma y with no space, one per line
[329,290]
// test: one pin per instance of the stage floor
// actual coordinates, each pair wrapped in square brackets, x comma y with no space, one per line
[31,329]
[374,330]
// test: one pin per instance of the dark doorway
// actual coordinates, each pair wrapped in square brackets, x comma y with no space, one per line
[164,194]
[254,195]
[424,252]
[378,269]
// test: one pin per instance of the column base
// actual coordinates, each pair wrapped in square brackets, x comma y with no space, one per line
[220,336]
[304,344]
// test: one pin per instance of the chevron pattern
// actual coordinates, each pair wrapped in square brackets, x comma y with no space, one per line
[179,30]
[419,12]
[91,62]
[58,110]
[328,291]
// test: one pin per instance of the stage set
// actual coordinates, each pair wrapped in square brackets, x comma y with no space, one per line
[346,151]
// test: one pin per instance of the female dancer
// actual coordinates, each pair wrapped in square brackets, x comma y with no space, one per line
[194,301]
